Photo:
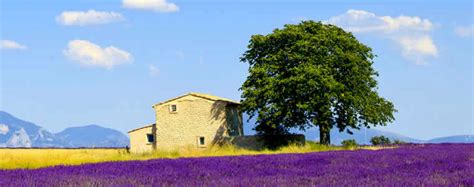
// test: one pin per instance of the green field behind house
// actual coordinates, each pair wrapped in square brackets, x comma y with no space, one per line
[37,158]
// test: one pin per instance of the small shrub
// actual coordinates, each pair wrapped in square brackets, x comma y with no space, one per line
[349,143]
[274,142]
[380,140]
[398,142]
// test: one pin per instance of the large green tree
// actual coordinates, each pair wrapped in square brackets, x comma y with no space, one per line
[312,74]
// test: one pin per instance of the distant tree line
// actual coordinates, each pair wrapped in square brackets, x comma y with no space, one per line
[376,140]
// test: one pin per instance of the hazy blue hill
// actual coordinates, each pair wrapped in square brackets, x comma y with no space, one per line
[362,136]
[454,139]
[92,136]
[15,132]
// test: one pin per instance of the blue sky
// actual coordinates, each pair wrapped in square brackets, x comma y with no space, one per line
[67,63]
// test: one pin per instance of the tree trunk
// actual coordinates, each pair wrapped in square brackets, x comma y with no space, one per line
[324,135]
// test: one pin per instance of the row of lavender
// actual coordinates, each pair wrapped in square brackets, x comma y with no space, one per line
[412,165]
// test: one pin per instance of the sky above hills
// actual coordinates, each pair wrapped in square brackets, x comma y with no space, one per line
[66,63]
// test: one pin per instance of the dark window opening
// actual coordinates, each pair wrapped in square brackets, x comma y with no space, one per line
[150,138]
[201,141]
[173,108]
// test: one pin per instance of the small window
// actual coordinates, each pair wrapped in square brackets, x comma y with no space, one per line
[150,138]
[202,141]
[173,108]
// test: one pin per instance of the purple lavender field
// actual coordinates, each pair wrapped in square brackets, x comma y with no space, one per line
[410,165]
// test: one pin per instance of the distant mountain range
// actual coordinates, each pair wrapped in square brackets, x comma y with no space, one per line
[15,132]
[92,136]
[453,139]
[363,136]
[18,133]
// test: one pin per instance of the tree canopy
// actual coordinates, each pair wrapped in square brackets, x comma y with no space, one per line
[312,75]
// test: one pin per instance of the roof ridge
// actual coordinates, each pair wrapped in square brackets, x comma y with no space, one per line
[150,125]
[202,95]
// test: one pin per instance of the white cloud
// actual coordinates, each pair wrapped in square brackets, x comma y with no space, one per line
[153,5]
[91,17]
[363,21]
[10,44]
[411,33]
[154,71]
[465,31]
[90,54]
[415,47]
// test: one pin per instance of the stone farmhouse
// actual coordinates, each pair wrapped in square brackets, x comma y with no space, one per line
[191,120]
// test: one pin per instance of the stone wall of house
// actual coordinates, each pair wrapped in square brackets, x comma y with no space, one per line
[139,141]
[195,117]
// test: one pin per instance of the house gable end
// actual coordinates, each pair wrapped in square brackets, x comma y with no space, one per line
[198,95]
